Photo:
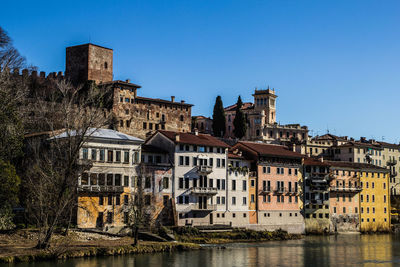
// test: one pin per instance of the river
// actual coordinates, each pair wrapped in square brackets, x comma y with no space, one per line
[341,250]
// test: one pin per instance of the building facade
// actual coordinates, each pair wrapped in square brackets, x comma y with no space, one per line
[104,190]
[277,190]
[262,123]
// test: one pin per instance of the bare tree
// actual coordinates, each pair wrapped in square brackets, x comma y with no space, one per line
[9,56]
[140,206]
[71,117]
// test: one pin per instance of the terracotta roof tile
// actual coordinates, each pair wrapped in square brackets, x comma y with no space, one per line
[271,150]
[354,165]
[192,139]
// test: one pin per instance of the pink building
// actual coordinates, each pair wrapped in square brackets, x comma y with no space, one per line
[277,198]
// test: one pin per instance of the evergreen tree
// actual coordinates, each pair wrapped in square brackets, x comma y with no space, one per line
[239,123]
[218,123]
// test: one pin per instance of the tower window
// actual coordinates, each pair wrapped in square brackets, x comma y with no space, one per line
[105,65]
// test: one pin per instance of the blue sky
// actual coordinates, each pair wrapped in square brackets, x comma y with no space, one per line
[334,64]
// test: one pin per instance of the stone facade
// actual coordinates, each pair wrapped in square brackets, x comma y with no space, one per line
[89,62]
[261,121]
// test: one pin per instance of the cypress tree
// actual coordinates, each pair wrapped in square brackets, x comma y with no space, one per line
[239,123]
[218,121]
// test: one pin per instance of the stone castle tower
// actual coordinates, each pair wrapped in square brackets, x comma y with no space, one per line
[265,103]
[89,62]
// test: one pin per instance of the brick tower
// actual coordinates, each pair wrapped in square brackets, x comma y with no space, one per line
[89,62]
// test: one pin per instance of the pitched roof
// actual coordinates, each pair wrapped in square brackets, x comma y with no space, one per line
[102,134]
[360,144]
[354,165]
[314,162]
[389,145]
[193,139]
[329,137]
[263,149]
[157,100]
[245,105]
[234,156]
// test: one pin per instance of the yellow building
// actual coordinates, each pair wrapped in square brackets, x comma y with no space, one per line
[374,198]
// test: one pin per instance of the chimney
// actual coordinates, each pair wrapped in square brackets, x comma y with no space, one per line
[196,131]
[177,137]
[128,81]
[182,101]
[172,98]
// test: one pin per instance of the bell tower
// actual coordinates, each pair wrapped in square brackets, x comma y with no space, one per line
[265,100]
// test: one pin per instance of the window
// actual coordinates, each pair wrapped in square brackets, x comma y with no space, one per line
[101,200]
[117,180]
[94,154]
[101,154]
[126,199]
[126,156]
[126,180]
[252,198]
[85,179]
[218,163]
[223,200]
[252,182]
[165,183]
[110,154]
[110,200]
[118,156]
[233,200]
[233,185]
[85,153]
[117,200]
[181,183]
[109,179]
[181,160]
[244,186]
[187,161]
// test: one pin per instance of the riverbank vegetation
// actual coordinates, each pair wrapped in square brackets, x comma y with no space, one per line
[19,246]
[194,235]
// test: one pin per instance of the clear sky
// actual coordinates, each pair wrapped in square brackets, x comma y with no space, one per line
[334,64]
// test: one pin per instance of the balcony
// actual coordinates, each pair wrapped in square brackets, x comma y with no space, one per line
[393,174]
[291,191]
[204,169]
[202,207]
[100,188]
[391,162]
[204,190]
[265,190]
[280,190]
[346,189]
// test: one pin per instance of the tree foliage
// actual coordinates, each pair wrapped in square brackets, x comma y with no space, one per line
[239,123]
[9,56]
[218,121]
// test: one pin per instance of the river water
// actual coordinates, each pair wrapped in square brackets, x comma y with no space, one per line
[341,250]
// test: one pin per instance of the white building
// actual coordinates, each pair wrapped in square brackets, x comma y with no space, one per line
[199,179]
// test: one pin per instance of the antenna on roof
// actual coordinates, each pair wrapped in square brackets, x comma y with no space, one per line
[268,87]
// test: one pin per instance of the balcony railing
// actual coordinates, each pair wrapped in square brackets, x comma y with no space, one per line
[206,207]
[393,174]
[266,190]
[204,190]
[204,169]
[280,190]
[346,189]
[100,188]
[391,162]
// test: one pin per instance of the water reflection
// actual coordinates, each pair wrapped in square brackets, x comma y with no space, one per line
[342,250]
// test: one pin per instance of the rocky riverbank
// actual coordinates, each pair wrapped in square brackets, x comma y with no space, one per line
[194,235]
[19,246]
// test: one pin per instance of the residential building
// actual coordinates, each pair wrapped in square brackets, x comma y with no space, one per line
[316,181]
[262,123]
[344,198]
[238,182]
[321,145]
[202,124]
[374,198]
[157,168]
[104,189]
[199,176]
[391,160]
[359,152]
[277,195]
